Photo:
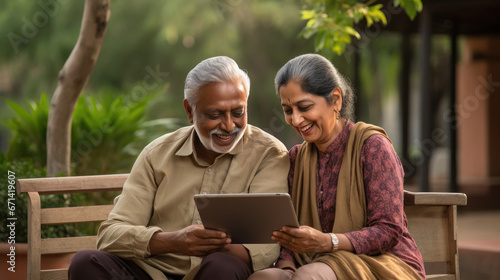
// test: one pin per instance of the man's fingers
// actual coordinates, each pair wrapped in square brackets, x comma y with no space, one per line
[205,249]
[214,241]
[204,233]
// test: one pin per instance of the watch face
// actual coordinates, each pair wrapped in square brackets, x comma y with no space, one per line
[335,240]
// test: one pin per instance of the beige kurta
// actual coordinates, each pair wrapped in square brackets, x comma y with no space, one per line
[158,196]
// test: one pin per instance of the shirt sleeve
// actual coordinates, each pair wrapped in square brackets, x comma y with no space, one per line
[286,254]
[126,233]
[271,177]
[383,179]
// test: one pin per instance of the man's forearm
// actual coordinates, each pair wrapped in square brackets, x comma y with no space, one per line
[163,242]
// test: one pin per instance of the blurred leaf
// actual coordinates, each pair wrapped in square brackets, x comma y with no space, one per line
[351,31]
[340,18]
[320,39]
[411,7]
[307,14]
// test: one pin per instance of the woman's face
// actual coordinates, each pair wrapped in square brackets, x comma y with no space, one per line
[311,115]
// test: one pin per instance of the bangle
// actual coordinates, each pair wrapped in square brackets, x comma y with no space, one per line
[335,242]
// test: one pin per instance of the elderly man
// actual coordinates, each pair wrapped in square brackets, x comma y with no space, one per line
[154,231]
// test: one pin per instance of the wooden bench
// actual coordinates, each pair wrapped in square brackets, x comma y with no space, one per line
[38,216]
[432,221]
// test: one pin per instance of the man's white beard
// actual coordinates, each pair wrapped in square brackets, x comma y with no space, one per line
[209,144]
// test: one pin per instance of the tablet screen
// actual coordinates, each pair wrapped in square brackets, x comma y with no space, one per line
[248,217]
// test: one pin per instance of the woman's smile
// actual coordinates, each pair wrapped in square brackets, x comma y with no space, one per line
[306,129]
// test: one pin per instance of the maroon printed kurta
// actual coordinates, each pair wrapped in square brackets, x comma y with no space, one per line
[386,227]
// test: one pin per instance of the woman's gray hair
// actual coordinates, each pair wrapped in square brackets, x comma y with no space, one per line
[213,70]
[317,75]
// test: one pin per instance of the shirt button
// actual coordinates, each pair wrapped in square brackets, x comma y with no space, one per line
[325,231]
[198,222]
[327,155]
[321,192]
[209,169]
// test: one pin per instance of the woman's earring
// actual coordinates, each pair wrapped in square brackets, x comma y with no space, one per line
[338,114]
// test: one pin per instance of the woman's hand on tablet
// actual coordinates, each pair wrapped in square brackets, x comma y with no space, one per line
[304,239]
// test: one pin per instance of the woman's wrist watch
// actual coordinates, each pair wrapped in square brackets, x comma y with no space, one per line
[335,242]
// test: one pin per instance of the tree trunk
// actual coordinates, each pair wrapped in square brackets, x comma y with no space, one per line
[71,80]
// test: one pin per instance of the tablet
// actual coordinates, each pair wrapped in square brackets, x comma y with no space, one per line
[248,217]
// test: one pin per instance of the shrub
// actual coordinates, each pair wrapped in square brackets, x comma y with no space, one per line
[103,126]
[108,130]
[29,129]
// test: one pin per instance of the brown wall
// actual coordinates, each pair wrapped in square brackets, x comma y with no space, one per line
[478,108]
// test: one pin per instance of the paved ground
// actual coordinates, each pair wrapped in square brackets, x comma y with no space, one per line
[479,245]
[479,225]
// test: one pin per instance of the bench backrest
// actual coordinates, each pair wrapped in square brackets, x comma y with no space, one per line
[38,216]
[432,221]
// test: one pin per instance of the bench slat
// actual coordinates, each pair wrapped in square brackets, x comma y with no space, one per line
[72,184]
[95,213]
[54,274]
[68,244]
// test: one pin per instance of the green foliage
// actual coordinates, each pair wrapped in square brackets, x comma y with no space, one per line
[333,21]
[29,129]
[411,7]
[104,126]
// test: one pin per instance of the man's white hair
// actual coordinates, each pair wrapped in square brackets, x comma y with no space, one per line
[213,70]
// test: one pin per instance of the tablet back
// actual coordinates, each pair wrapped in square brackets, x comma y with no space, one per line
[248,217]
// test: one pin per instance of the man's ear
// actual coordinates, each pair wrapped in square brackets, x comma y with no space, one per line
[189,110]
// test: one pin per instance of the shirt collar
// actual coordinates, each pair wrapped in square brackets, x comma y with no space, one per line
[187,147]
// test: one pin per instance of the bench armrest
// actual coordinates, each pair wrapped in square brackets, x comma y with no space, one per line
[434,198]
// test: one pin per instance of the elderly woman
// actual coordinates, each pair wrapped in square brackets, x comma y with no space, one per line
[346,183]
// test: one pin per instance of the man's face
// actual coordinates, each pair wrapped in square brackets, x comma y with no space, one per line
[219,117]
